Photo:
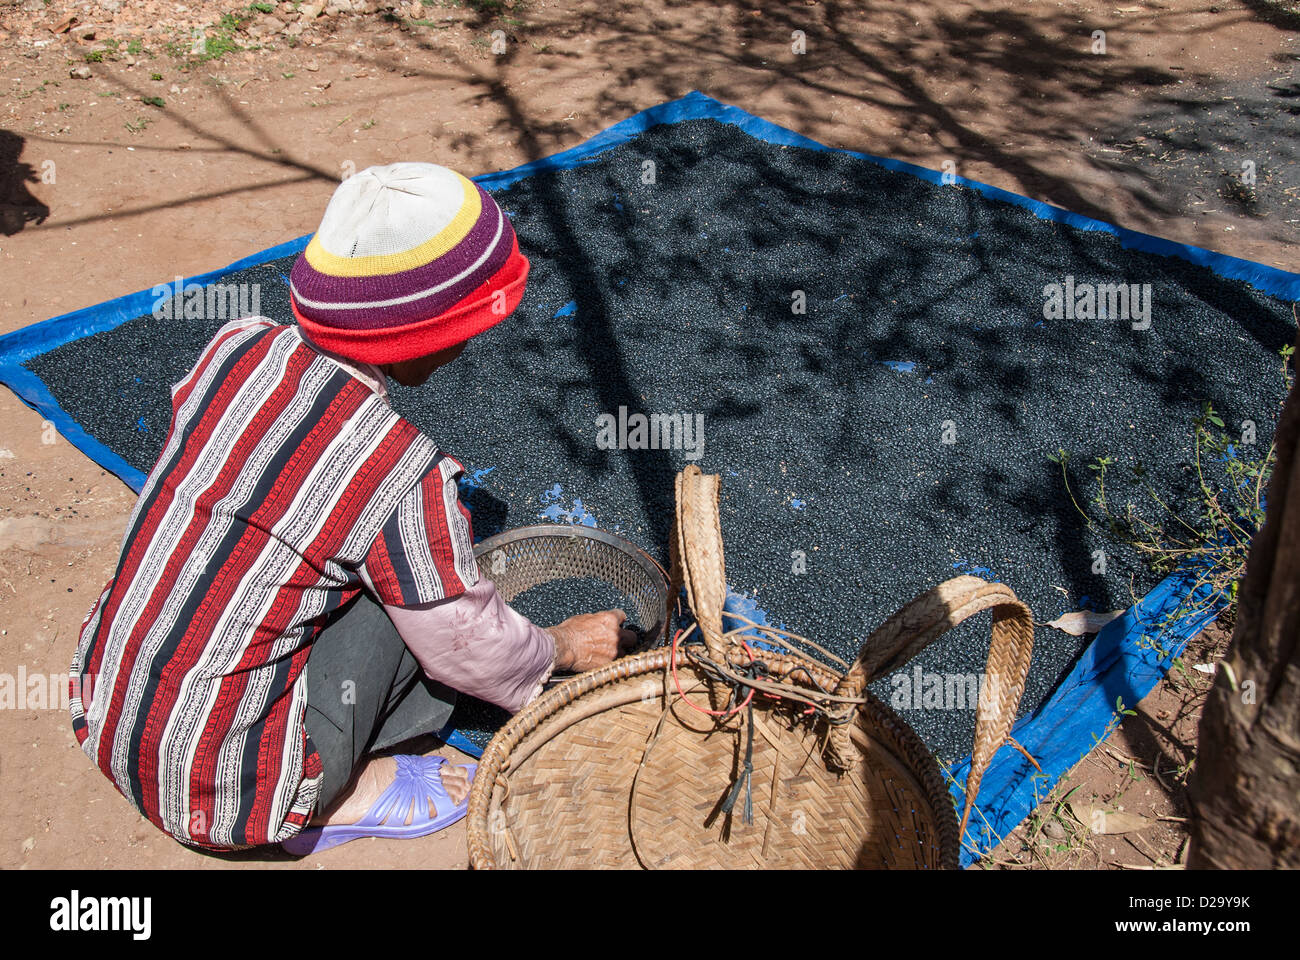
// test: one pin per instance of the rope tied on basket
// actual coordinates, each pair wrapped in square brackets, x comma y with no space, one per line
[752,671]
[780,666]
[746,777]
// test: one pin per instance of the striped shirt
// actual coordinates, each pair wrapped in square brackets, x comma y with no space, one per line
[286,485]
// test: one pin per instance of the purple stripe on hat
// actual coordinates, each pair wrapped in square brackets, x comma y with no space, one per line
[312,284]
[378,318]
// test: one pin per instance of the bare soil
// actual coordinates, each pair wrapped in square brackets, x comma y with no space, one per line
[162,163]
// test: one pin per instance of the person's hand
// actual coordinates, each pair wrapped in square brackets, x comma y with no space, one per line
[591,640]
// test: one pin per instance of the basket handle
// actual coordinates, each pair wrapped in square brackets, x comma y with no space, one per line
[920,623]
[696,553]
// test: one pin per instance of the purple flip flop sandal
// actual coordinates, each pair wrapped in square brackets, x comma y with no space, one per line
[417,781]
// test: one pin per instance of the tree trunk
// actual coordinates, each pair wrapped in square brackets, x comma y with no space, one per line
[1245,788]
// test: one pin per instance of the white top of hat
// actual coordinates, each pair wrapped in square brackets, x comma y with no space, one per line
[381,211]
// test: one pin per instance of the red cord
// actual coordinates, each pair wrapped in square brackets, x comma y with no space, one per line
[725,713]
[682,693]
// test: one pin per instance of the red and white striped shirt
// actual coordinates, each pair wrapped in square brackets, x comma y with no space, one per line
[286,485]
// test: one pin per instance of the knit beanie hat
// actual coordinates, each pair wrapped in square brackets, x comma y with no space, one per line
[409,259]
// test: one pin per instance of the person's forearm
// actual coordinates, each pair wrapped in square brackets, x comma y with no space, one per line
[477,644]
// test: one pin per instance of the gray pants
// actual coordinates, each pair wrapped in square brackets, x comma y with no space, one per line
[366,692]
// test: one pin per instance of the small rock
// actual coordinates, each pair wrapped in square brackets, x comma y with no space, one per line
[292,30]
[417,10]
[1054,830]
[80,73]
[311,66]
[140,834]
[29,845]
[310,11]
[175,88]
[85,31]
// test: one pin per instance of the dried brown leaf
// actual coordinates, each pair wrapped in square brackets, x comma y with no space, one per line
[1084,621]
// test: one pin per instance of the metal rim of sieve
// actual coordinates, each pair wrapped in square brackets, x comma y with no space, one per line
[544,552]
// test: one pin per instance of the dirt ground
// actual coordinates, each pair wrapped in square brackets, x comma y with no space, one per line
[160,162]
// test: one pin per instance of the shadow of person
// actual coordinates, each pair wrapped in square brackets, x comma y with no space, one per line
[488,513]
[17,205]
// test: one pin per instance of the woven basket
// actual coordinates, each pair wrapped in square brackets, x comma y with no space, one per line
[620,768]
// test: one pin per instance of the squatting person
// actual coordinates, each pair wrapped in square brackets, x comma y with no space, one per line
[297,587]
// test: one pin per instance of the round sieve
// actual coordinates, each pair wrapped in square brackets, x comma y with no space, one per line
[527,556]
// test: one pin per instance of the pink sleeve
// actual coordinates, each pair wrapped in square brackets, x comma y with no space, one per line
[477,644]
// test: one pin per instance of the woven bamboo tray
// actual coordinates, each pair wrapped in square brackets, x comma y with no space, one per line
[798,766]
